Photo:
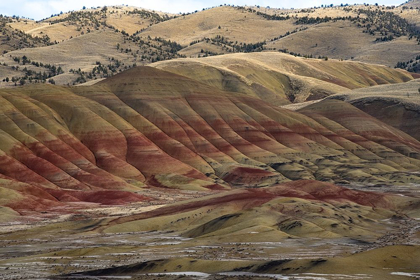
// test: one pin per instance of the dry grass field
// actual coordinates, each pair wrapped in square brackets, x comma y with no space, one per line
[136,36]
[235,25]
[281,78]
[344,40]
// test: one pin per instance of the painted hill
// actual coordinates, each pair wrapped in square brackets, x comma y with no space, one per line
[103,179]
[396,105]
[360,265]
[234,141]
[150,127]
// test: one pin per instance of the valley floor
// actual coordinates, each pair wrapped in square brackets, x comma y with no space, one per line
[67,247]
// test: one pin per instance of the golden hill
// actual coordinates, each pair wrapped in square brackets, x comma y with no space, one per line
[344,40]
[235,25]
[412,4]
[12,38]
[280,78]
[126,36]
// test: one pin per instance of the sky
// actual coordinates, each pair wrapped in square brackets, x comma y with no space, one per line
[40,9]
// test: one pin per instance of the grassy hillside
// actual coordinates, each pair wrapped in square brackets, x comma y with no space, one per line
[344,40]
[12,38]
[237,25]
[134,36]
[412,4]
[280,78]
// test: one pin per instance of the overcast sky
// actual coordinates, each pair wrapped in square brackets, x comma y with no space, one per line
[39,9]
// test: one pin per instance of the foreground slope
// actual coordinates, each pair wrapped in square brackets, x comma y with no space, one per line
[390,263]
[287,230]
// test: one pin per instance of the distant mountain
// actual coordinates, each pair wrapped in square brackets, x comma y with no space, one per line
[93,44]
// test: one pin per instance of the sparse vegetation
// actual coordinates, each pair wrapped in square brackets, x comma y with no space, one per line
[413,65]
[385,23]
[385,38]
[150,49]
[317,20]
[136,48]
[154,17]
[13,39]
[32,76]
[264,15]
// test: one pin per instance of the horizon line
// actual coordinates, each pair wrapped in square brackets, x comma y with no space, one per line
[323,6]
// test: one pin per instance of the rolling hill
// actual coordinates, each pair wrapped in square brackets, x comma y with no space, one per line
[93,178]
[96,43]
[176,132]
[281,78]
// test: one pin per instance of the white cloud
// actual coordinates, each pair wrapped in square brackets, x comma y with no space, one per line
[38,9]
